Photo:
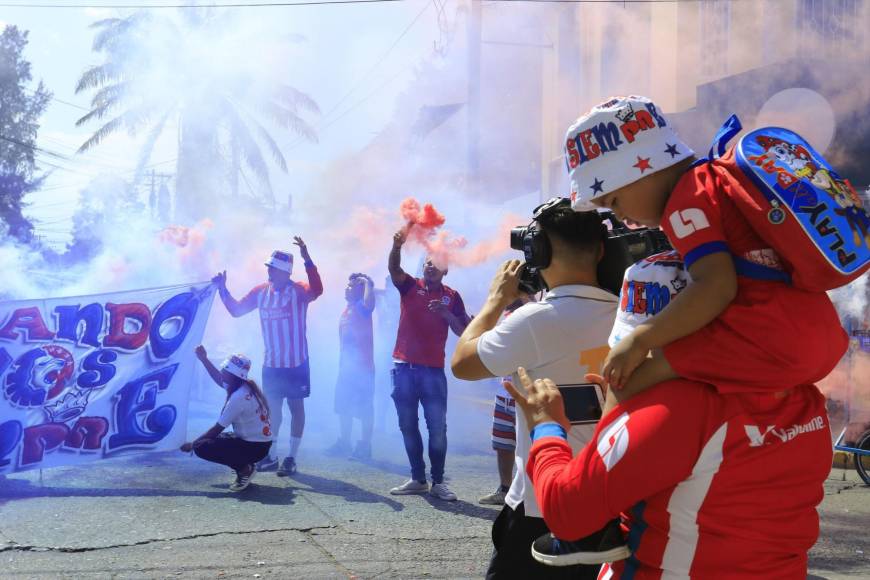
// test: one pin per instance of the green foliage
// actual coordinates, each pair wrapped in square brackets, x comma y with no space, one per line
[20,110]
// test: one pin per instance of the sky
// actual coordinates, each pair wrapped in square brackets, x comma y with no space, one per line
[359,68]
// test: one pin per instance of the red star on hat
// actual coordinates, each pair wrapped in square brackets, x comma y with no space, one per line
[642,164]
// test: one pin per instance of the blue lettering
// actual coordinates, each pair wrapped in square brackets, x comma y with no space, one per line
[180,309]
[98,369]
[69,318]
[10,436]
[607,136]
[657,297]
[660,121]
[138,397]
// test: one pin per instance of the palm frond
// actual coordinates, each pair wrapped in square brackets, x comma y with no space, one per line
[294,98]
[132,120]
[101,133]
[264,135]
[95,113]
[97,76]
[103,23]
[109,94]
[290,121]
[247,144]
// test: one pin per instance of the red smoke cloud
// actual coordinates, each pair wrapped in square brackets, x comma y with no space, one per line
[445,249]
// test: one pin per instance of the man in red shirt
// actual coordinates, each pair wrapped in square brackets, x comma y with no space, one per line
[428,309]
[283,305]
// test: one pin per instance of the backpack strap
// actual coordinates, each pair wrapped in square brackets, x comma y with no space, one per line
[726,132]
[748,269]
[742,266]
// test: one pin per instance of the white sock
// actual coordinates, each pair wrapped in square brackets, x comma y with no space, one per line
[294,446]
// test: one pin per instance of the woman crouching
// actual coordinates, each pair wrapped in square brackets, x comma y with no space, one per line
[246,410]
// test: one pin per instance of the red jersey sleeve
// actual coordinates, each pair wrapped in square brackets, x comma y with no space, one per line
[314,288]
[631,456]
[692,217]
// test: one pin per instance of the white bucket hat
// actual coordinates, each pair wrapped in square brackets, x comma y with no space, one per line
[238,365]
[281,260]
[648,286]
[616,143]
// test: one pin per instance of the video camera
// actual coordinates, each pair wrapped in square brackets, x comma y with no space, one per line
[622,248]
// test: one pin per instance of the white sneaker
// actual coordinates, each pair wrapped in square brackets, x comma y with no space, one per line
[409,487]
[494,498]
[441,491]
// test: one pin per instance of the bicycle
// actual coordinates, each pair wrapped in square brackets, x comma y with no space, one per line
[860,452]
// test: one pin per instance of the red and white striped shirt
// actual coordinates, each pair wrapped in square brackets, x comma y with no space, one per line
[282,318]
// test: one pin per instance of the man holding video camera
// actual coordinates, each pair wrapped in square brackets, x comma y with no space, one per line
[562,250]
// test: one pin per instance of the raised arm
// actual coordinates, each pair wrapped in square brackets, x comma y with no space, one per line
[315,284]
[212,370]
[368,300]
[466,363]
[235,307]
[397,275]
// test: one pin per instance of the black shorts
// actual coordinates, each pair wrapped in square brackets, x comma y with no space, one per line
[290,383]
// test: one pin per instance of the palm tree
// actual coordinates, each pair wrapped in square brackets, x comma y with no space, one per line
[202,73]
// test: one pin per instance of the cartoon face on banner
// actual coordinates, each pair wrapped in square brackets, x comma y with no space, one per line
[79,383]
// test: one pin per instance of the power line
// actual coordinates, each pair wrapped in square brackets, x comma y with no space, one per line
[322,3]
[226,5]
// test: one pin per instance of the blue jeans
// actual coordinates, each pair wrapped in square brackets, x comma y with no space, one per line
[413,385]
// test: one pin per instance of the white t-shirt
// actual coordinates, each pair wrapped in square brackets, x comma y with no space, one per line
[562,337]
[647,287]
[243,412]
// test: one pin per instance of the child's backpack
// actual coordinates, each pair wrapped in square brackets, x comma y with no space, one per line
[797,203]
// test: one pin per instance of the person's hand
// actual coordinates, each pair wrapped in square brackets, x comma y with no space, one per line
[303,249]
[541,401]
[505,287]
[439,308]
[622,360]
[220,280]
[187,447]
[201,354]
[400,237]
[368,280]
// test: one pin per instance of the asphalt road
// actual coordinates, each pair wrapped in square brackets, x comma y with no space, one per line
[170,515]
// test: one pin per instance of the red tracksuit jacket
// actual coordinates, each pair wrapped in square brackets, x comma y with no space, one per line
[709,485]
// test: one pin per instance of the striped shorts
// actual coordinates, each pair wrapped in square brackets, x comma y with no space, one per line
[504,421]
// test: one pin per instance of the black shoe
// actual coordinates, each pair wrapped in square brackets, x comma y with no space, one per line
[288,467]
[606,545]
[267,464]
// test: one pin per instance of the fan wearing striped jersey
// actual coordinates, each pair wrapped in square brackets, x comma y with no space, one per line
[283,306]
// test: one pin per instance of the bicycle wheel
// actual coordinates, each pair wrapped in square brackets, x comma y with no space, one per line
[862,462]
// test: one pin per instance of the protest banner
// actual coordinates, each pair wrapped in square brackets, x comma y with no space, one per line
[91,377]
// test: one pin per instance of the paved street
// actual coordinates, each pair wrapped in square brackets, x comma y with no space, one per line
[169,515]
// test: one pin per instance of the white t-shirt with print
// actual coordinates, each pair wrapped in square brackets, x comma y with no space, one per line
[562,337]
[243,412]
